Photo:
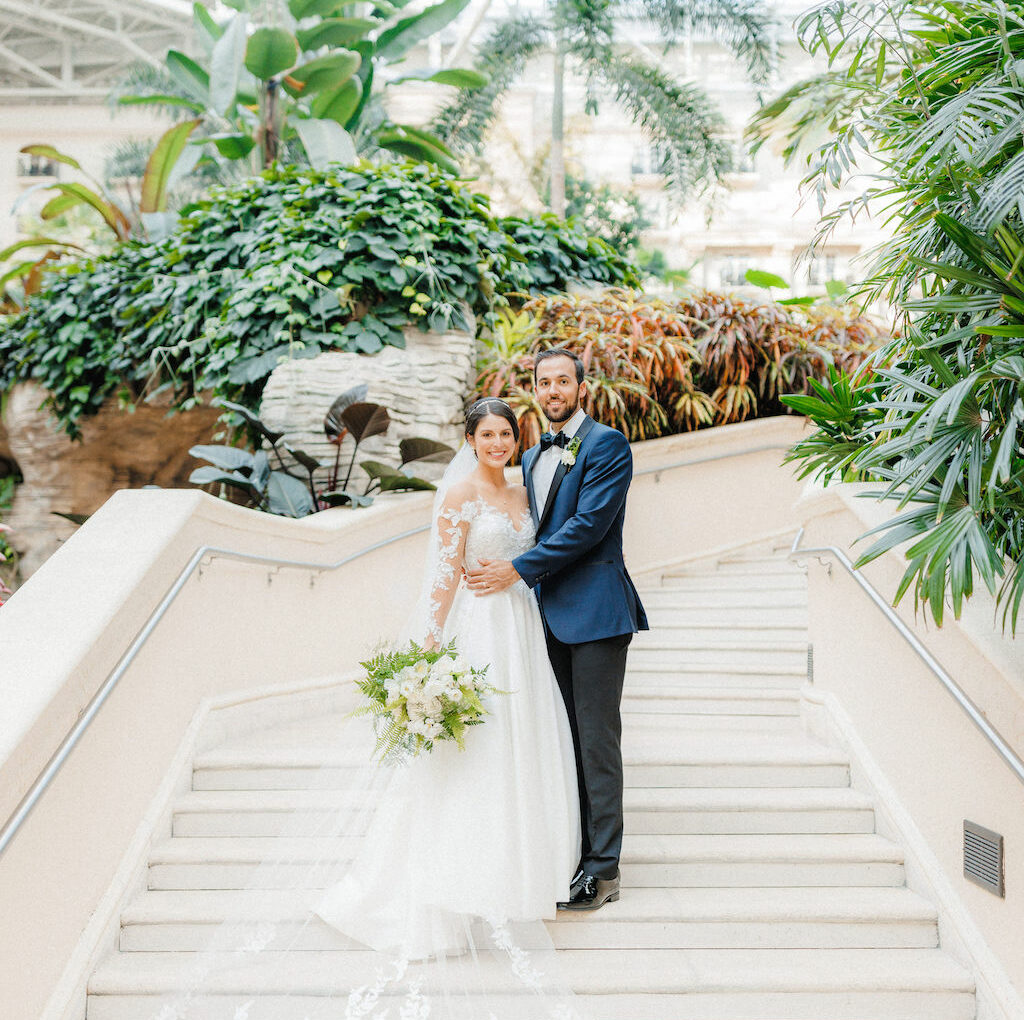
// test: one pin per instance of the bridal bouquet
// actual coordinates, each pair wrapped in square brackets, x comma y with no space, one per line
[418,697]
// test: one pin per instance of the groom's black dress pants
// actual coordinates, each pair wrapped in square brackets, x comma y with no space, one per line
[590,677]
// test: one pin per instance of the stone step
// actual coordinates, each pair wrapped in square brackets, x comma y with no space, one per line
[723,675]
[695,612]
[652,810]
[648,861]
[768,566]
[644,693]
[714,627]
[642,919]
[721,656]
[791,584]
[654,754]
[642,984]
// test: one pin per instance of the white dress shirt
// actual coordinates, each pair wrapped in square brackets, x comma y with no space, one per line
[547,461]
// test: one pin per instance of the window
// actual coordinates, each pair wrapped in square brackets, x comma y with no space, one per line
[731,270]
[821,269]
[36,166]
[647,159]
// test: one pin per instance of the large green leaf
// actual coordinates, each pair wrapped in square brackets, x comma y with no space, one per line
[35,242]
[232,146]
[325,142]
[334,427]
[363,419]
[315,8]
[338,104]
[330,72]
[761,278]
[49,152]
[335,32]
[457,77]
[430,450]
[160,164]
[58,205]
[395,42]
[270,51]
[208,475]
[112,215]
[227,458]
[417,144]
[288,496]
[163,100]
[226,64]
[205,23]
[189,75]
[405,483]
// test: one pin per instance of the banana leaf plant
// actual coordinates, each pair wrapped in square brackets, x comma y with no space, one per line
[150,219]
[309,86]
[280,488]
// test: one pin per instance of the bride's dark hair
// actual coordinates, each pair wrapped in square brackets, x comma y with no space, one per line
[490,405]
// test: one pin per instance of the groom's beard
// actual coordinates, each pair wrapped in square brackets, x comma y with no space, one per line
[564,415]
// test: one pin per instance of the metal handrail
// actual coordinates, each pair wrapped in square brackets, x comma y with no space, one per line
[207,553]
[706,460]
[974,713]
[67,745]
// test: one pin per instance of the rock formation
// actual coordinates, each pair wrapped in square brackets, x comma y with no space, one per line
[424,386]
[117,450]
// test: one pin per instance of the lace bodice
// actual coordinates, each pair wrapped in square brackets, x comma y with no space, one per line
[467,533]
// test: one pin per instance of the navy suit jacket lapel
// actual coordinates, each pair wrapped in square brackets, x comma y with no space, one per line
[581,433]
[528,460]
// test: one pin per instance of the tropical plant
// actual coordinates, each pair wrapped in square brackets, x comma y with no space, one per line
[606,211]
[149,218]
[678,118]
[283,266]
[292,489]
[657,367]
[8,557]
[309,89]
[923,100]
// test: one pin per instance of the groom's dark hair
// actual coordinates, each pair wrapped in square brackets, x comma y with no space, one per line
[559,352]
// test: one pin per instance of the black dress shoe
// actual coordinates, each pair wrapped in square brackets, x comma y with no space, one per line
[591,892]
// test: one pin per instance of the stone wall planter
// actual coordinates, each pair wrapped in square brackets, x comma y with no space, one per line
[424,386]
[118,450]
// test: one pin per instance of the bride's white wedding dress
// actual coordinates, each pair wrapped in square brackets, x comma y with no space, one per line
[458,855]
[493,831]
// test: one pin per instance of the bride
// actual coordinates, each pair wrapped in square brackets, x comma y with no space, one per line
[459,856]
[493,831]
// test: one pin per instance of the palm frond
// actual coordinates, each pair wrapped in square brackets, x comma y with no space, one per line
[745,27]
[678,118]
[503,55]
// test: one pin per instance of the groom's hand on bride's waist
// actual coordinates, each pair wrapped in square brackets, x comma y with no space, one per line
[491,576]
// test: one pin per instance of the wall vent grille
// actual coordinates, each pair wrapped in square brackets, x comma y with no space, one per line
[983,857]
[810,663]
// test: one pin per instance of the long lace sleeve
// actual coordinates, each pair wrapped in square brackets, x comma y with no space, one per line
[452,528]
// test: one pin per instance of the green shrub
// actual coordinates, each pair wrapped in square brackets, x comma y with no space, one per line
[285,265]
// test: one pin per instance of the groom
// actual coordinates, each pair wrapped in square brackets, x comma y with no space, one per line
[576,481]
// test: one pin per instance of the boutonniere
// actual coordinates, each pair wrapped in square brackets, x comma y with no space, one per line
[569,453]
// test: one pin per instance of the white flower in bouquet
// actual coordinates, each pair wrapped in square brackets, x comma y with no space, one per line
[418,697]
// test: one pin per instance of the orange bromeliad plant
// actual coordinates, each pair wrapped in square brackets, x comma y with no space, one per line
[658,367]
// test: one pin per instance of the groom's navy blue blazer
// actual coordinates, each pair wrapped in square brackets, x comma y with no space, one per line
[576,566]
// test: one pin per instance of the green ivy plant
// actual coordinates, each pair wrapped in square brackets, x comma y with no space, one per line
[285,265]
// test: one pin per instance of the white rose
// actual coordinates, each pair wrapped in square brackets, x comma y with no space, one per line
[459,665]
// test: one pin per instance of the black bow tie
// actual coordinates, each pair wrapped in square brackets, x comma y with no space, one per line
[552,439]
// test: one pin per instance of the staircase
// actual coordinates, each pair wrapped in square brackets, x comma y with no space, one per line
[754,884]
